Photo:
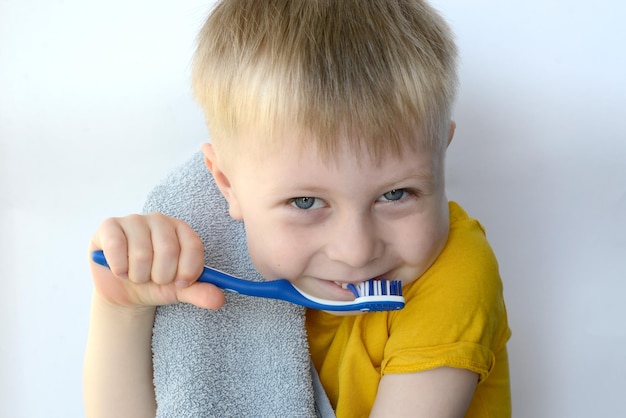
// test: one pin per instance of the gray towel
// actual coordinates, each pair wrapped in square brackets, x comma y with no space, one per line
[247,359]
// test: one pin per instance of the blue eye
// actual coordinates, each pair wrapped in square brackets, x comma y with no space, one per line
[303,202]
[394,195]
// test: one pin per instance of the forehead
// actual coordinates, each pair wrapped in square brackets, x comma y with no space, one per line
[295,143]
[290,158]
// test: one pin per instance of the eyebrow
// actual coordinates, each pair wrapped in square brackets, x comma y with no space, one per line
[422,175]
[309,189]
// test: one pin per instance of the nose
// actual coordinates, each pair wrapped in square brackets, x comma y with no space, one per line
[354,241]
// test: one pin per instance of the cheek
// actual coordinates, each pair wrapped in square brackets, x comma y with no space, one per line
[420,249]
[275,253]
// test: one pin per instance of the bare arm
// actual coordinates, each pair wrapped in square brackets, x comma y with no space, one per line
[154,260]
[117,377]
[444,392]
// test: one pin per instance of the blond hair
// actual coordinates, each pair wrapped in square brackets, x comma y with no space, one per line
[370,72]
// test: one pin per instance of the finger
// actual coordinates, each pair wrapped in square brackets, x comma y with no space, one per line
[111,239]
[191,257]
[140,252]
[166,248]
[203,295]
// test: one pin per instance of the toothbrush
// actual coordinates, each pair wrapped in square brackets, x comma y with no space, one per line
[372,295]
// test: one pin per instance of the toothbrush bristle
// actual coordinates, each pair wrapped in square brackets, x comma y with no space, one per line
[377,287]
[353,289]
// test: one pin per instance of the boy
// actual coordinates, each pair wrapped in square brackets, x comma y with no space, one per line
[329,123]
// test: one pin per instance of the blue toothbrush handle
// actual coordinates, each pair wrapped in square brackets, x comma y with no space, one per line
[99,258]
[280,289]
[276,289]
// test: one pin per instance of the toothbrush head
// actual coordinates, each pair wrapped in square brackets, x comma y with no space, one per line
[378,295]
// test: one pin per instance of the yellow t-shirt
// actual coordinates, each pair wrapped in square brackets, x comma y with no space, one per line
[454,316]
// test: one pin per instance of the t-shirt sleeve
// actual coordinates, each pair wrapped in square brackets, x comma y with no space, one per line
[455,314]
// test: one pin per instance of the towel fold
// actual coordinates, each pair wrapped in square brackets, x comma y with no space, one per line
[247,359]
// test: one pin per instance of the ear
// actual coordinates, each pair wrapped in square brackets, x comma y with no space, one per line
[451,132]
[221,179]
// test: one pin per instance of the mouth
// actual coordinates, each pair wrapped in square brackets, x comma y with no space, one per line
[352,287]
[334,289]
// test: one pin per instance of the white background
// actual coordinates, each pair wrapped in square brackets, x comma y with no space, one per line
[95,108]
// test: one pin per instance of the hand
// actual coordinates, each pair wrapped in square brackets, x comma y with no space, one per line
[154,260]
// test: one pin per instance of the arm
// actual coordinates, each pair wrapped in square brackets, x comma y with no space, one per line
[444,392]
[118,362]
[154,260]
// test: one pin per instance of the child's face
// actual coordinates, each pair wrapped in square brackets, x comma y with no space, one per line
[320,224]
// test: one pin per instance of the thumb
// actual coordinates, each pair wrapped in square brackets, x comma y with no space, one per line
[203,295]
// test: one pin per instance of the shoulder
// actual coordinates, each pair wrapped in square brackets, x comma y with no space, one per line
[460,297]
[182,187]
[467,234]
[467,261]
[189,193]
